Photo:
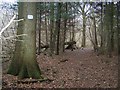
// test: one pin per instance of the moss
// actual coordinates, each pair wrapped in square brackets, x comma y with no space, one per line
[13,68]
[33,70]
[23,73]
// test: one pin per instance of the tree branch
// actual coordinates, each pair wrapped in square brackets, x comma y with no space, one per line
[7,25]
[15,36]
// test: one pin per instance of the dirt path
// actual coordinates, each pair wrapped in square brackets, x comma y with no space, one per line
[77,69]
[81,68]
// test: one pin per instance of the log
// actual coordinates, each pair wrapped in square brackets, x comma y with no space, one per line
[70,43]
[45,46]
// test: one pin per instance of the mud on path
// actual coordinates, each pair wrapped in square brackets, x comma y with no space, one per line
[73,69]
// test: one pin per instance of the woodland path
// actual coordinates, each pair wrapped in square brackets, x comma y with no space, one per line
[74,69]
[81,68]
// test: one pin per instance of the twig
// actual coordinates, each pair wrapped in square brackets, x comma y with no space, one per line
[18,20]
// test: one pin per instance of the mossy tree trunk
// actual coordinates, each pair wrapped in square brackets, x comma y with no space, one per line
[24,63]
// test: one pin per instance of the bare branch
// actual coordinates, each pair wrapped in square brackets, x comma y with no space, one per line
[15,36]
[7,25]
[18,20]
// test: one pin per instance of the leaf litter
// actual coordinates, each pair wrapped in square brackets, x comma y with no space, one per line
[72,69]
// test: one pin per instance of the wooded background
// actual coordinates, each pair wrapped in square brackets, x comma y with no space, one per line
[60,26]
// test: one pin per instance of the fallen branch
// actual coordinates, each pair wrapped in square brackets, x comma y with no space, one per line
[45,46]
[64,60]
[18,20]
[70,43]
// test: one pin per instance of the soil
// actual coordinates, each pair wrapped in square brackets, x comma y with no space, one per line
[72,69]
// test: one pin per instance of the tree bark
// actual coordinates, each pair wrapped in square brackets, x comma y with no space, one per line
[83,25]
[24,63]
[111,24]
[95,35]
[65,26]
[118,40]
[110,43]
[102,33]
[58,19]
[15,65]
[101,44]
[51,28]
[84,31]
[46,29]
[39,25]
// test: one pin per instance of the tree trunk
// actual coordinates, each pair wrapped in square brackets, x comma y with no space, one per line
[95,35]
[65,26]
[118,39]
[110,43]
[16,63]
[101,34]
[73,32]
[39,25]
[84,31]
[24,63]
[1,62]
[102,44]
[46,30]
[111,24]
[107,27]
[58,19]
[51,27]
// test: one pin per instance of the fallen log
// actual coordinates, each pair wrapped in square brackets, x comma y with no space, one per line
[45,46]
[70,43]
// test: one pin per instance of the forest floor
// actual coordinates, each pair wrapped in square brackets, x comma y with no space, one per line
[72,69]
